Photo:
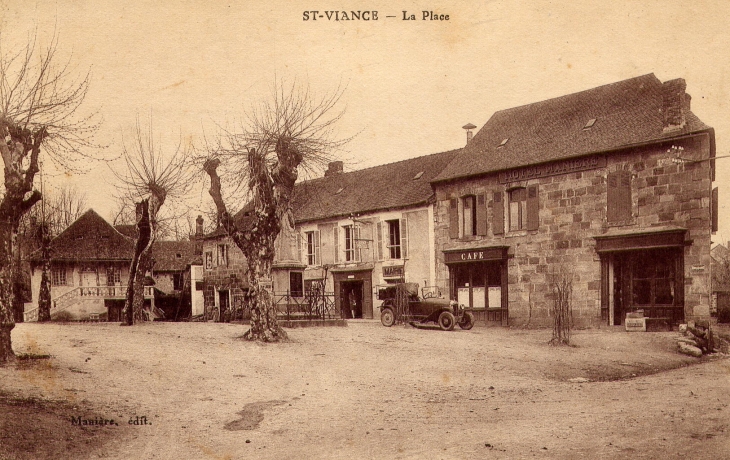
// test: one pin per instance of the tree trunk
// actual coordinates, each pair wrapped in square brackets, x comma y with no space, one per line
[7,320]
[145,264]
[264,325]
[44,295]
[143,239]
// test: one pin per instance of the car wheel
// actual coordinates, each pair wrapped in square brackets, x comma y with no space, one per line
[387,317]
[447,321]
[467,321]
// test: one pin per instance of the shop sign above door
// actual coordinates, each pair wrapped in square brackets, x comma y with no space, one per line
[475,255]
[552,169]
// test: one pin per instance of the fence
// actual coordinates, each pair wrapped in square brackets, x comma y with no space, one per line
[313,305]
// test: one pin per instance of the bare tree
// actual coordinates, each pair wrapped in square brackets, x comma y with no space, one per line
[40,101]
[279,139]
[148,178]
[562,309]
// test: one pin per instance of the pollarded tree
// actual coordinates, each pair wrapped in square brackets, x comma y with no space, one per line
[40,100]
[148,177]
[279,139]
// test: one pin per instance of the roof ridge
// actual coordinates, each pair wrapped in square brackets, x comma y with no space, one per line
[579,93]
[380,166]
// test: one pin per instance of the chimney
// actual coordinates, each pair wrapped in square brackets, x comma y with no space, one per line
[468,127]
[675,104]
[199,226]
[199,235]
[334,167]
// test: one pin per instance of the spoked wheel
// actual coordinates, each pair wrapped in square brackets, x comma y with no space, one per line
[387,317]
[467,321]
[447,321]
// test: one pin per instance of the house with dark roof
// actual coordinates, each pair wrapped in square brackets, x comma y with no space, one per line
[354,232]
[609,189]
[90,269]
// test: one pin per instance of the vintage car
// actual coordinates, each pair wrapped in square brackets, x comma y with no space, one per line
[446,313]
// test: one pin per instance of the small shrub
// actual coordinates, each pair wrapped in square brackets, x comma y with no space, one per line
[62,317]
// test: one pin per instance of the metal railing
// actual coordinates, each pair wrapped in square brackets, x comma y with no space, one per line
[310,306]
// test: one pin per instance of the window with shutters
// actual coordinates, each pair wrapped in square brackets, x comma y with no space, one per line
[517,208]
[352,253]
[618,197]
[469,220]
[394,248]
[312,247]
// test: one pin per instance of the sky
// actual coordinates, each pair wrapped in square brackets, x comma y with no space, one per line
[410,86]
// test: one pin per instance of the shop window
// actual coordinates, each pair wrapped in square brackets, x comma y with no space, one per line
[296,284]
[618,196]
[653,280]
[58,276]
[312,248]
[478,285]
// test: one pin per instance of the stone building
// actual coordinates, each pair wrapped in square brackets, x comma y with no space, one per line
[609,188]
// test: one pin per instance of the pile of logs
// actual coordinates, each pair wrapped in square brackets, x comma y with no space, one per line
[698,338]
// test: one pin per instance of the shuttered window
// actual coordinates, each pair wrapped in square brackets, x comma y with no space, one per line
[498,213]
[618,197]
[517,208]
[470,215]
[453,218]
[312,248]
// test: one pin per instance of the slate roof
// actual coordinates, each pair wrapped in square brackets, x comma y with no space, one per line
[89,238]
[166,255]
[389,186]
[128,230]
[383,187]
[627,113]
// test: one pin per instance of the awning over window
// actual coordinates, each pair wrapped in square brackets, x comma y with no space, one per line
[644,238]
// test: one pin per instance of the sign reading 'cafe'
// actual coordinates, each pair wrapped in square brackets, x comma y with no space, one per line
[475,255]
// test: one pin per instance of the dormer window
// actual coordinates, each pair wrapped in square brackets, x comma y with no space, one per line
[178,255]
[590,123]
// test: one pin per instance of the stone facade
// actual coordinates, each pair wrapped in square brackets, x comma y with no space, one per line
[224,274]
[666,195]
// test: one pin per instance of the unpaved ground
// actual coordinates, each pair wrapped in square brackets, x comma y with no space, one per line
[366,391]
